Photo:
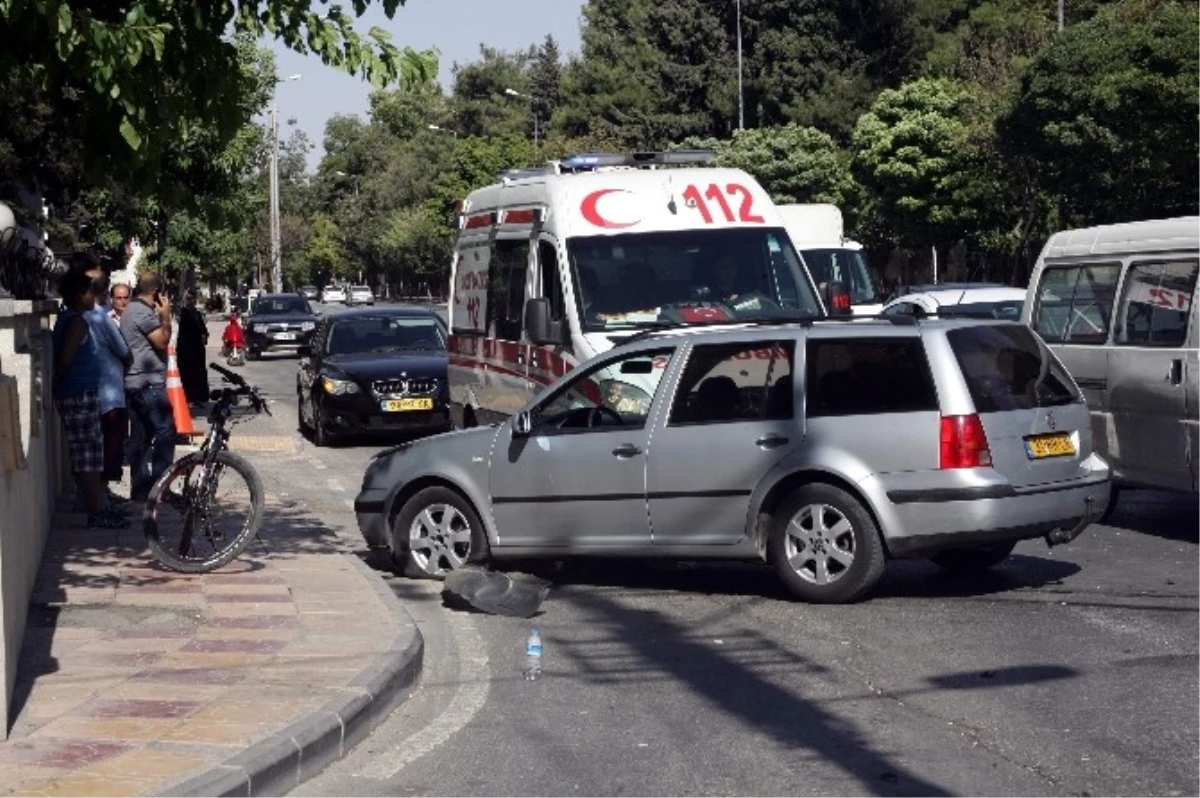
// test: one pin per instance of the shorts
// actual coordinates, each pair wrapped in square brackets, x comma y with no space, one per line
[85,438]
[115,424]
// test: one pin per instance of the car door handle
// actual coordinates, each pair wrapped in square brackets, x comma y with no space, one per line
[771,441]
[626,450]
[1175,373]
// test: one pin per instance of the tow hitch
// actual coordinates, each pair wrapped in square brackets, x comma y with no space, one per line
[1060,536]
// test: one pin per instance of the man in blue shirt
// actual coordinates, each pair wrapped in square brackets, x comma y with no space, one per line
[114,358]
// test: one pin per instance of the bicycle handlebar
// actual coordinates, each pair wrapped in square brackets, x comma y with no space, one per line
[243,387]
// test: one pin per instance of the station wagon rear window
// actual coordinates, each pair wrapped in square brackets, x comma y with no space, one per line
[1007,368]
[861,376]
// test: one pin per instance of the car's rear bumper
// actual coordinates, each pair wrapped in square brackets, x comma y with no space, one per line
[918,522]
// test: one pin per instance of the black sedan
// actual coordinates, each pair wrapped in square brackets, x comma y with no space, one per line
[279,322]
[374,370]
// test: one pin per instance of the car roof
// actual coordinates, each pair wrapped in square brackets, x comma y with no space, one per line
[289,295]
[839,328]
[358,313]
[964,294]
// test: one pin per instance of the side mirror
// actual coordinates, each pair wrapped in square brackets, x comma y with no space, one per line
[523,424]
[304,351]
[836,298]
[538,326]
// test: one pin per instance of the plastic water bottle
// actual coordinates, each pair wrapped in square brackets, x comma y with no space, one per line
[533,655]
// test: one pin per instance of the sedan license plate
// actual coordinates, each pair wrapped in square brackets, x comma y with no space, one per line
[1057,445]
[401,405]
[285,336]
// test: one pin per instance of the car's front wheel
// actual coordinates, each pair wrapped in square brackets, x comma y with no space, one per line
[435,532]
[321,435]
[825,546]
[974,559]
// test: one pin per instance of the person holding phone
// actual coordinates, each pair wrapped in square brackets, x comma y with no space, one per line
[146,326]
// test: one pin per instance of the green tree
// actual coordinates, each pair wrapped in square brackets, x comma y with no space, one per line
[480,105]
[1107,115]
[545,83]
[914,160]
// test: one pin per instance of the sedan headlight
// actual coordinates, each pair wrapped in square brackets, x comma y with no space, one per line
[335,387]
[308,325]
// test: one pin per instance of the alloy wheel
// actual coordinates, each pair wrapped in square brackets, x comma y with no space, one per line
[439,539]
[820,544]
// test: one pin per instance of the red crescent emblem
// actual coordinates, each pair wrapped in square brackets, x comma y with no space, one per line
[592,214]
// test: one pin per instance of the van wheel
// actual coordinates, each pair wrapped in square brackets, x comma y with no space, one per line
[435,532]
[975,559]
[825,546]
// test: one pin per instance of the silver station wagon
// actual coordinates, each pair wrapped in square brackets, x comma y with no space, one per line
[824,448]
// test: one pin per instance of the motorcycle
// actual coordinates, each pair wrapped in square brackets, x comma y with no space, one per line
[234,341]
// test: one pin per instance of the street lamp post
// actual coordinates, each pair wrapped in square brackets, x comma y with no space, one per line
[741,106]
[276,256]
[515,93]
[441,129]
[1060,15]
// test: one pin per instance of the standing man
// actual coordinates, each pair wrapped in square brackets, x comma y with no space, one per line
[146,326]
[114,358]
[120,295]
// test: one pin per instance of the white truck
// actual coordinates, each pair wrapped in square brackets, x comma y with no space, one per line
[818,234]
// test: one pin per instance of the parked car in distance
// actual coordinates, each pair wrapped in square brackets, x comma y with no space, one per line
[310,293]
[979,301]
[360,295]
[333,293]
[278,322]
[374,371]
[947,439]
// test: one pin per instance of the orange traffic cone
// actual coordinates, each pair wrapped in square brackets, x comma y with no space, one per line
[178,399]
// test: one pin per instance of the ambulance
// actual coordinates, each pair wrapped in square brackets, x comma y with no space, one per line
[818,233]
[556,264]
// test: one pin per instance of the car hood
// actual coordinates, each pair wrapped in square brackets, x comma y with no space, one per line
[381,365]
[452,455]
[282,318]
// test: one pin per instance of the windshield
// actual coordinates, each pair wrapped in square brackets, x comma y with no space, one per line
[385,334]
[688,277]
[281,304]
[1009,310]
[846,265]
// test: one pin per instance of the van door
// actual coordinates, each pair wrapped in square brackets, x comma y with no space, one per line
[506,386]
[550,361]
[1072,312]
[1150,371]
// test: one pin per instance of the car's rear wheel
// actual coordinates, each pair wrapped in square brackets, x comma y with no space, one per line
[435,532]
[825,546]
[975,558]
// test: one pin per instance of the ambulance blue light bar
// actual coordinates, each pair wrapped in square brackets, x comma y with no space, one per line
[597,160]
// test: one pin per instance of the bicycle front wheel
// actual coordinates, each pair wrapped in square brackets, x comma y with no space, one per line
[198,519]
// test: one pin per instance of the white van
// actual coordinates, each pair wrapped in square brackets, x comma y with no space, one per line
[819,234]
[1117,304]
[556,264]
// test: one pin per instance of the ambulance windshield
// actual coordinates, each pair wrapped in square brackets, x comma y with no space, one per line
[688,276]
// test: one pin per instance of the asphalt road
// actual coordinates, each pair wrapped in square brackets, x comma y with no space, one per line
[1064,672]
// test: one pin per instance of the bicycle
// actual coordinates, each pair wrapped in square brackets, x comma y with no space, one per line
[194,542]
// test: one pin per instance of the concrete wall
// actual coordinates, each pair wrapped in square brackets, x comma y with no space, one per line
[32,470]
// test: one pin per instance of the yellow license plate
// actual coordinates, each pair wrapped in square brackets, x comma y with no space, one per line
[1059,445]
[400,405]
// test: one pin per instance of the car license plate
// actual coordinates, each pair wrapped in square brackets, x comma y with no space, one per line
[401,405]
[285,336]
[1057,445]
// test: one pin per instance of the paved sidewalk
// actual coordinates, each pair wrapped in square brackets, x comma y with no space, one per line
[135,680]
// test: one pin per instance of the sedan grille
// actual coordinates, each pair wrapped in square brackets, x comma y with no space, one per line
[416,386]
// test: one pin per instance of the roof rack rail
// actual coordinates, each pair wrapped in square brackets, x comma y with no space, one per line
[526,172]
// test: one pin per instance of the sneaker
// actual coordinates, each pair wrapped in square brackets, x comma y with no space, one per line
[115,501]
[107,520]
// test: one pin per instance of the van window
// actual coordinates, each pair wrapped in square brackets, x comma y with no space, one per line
[551,280]
[861,376]
[506,288]
[1073,304]
[725,383]
[1007,368]
[1156,303]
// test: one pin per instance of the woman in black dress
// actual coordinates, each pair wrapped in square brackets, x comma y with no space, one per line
[193,337]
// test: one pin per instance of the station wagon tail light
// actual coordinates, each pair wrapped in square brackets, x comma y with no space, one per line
[964,444]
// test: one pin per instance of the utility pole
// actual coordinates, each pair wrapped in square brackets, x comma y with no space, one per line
[1060,15]
[741,105]
[533,111]
[276,255]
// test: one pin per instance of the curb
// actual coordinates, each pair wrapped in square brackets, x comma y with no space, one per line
[291,756]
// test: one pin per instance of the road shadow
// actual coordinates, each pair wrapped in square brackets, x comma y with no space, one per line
[1173,516]
[35,659]
[923,579]
[727,678]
